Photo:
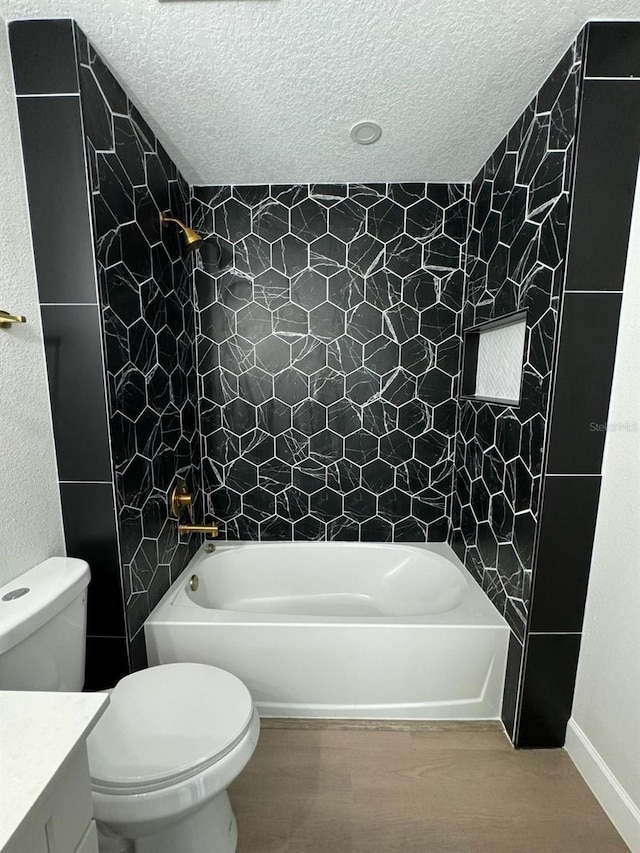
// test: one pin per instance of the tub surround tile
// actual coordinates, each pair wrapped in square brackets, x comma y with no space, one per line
[614,49]
[88,514]
[584,372]
[52,145]
[547,689]
[53,150]
[43,55]
[565,542]
[607,163]
[512,685]
[607,150]
[132,329]
[148,326]
[327,354]
[515,250]
[608,147]
[505,521]
[76,389]
[137,652]
[319,400]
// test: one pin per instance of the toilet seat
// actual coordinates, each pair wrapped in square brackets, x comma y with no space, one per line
[166,724]
[134,814]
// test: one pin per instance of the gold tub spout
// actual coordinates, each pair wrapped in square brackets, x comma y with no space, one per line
[211,529]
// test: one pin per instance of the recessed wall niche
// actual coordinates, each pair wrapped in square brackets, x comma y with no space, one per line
[493,360]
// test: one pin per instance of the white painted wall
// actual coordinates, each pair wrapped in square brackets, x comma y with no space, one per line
[30,520]
[604,733]
[256,91]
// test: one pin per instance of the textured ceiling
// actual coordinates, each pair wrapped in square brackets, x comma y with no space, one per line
[257,91]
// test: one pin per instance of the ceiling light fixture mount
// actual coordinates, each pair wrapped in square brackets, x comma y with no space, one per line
[365,132]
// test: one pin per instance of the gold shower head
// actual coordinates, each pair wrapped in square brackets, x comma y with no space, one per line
[192,239]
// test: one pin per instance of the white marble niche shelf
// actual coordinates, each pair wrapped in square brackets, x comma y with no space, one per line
[493,360]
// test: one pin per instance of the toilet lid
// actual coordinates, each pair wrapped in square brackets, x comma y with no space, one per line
[166,723]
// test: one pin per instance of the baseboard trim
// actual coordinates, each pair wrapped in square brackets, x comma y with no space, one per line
[618,805]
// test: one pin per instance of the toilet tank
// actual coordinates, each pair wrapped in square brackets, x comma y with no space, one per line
[43,618]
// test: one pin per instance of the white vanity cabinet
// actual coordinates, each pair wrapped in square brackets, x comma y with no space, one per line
[45,789]
[61,822]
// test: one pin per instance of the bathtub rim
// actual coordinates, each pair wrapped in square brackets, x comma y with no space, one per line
[175,607]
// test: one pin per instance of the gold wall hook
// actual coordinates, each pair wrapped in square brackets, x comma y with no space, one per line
[8,320]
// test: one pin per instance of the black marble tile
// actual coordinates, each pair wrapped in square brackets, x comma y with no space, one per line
[613,49]
[89,519]
[547,690]
[606,167]
[511,684]
[76,388]
[565,542]
[57,189]
[515,249]
[583,382]
[146,299]
[329,357]
[106,662]
[43,57]
[138,652]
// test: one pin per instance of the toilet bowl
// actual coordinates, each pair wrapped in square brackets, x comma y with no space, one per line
[168,745]
[162,756]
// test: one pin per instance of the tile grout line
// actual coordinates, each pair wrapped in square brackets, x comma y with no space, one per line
[50,95]
[628,79]
[568,474]
[84,482]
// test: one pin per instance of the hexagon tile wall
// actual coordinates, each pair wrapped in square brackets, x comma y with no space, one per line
[328,356]
[306,376]
[148,324]
[515,260]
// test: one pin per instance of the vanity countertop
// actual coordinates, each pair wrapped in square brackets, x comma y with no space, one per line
[38,731]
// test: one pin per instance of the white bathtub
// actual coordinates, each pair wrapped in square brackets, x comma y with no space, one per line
[328,629]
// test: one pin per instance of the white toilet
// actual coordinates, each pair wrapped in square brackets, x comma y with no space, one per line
[168,745]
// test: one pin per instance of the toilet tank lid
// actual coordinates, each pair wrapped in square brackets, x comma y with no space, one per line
[51,585]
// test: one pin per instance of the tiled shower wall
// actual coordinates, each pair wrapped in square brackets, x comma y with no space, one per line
[328,355]
[515,261]
[119,327]
[550,218]
[148,321]
[329,323]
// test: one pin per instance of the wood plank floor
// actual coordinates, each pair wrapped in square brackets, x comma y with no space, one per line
[367,791]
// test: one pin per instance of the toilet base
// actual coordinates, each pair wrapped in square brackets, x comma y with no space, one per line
[212,829]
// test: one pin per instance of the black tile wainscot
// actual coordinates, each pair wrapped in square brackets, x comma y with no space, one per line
[119,326]
[328,356]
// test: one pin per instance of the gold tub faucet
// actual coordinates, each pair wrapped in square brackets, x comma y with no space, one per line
[211,529]
[180,503]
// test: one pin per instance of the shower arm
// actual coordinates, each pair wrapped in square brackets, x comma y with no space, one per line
[165,218]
